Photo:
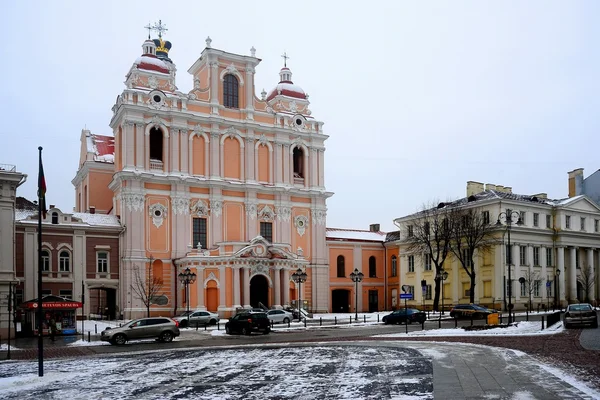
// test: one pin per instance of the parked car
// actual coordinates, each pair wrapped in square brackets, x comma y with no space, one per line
[470,311]
[162,328]
[280,316]
[580,314]
[405,316]
[197,318]
[248,322]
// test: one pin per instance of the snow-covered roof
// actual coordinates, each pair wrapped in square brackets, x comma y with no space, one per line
[150,62]
[103,147]
[354,234]
[287,89]
[85,218]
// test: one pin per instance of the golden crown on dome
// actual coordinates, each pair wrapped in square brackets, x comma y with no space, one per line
[162,46]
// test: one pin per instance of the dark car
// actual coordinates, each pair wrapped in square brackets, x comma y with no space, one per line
[470,311]
[581,314]
[162,328]
[248,322]
[405,316]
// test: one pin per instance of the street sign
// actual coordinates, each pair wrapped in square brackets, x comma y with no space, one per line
[406,296]
[548,284]
[405,288]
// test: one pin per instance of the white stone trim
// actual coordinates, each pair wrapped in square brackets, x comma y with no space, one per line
[231,69]
[200,132]
[211,277]
[262,141]
[231,132]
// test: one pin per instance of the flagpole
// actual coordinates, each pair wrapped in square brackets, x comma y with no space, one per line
[40,314]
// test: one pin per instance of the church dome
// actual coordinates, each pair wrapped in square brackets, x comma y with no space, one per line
[286,87]
[150,62]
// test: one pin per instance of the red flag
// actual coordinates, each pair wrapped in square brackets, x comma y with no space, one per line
[42,187]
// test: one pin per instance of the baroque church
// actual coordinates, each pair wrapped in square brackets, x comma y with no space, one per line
[216,180]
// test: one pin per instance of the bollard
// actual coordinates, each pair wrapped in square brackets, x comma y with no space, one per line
[196,325]
[205,325]
[288,323]
[320,321]
[527,314]
[96,328]
[351,319]
[440,322]
[365,319]
[471,319]
[218,324]
[456,322]
[377,317]
[305,322]
[335,320]
[542,322]
[89,336]
[423,325]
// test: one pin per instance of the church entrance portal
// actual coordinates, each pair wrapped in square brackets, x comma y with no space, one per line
[259,291]
[340,300]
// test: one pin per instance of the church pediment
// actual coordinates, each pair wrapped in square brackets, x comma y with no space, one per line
[261,248]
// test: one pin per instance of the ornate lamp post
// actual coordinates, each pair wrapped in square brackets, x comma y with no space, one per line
[299,277]
[443,275]
[356,277]
[186,278]
[509,219]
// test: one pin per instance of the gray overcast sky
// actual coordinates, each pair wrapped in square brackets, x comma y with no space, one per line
[417,97]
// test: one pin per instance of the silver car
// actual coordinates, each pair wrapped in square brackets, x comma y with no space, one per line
[199,318]
[279,316]
[162,328]
[581,314]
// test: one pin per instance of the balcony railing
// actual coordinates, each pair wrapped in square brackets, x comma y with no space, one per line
[156,165]
[8,168]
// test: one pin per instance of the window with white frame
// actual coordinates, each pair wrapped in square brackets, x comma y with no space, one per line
[66,293]
[64,261]
[486,217]
[427,262]
[582,222]
[410,231]
[596,225]
[536,256]
[509,287]
[466,289]
[411,289]
[428,292]
[548,221]
[549,257]
[549,292]
[467,257]
[568,222]
[394,266]
[523,255]
[537,285]
[46,292]
[536,219]
[45,261]
[523,288]
[102,262]
[522,215]
[411,263]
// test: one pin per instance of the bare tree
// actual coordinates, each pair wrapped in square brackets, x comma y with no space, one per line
[532,279]
[471,232]
[586,279]
[147,288]
[429,234]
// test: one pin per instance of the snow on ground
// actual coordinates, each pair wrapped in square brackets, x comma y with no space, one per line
[342,372]
[517,329]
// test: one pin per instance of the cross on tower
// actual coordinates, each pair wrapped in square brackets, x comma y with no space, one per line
[285,58]
[158,27]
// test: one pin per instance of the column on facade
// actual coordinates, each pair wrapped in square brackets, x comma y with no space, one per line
[200,288]
[236,286]
[572,292]
[456,283]
[314,167]
[287,175]
[246,285]
[184,144]
[499,272]
[560,265]
[175,135]
[223,284]
[251,158]
[249,92]
[214,152]
[321,166]
[286,286]
[166,156]
[214,86]
[129,144]
[278,162]
[591,272]
[139,146]
[419,268]
[544,273]
[277,284]
[515,285]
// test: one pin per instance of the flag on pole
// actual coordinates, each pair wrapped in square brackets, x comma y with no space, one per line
[42,187]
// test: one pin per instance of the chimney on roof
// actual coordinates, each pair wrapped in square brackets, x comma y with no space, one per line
[541,195]
[576,182]
[374,227]
[474,188]
[490,186]
[508,189]
[52,206]
[92,210]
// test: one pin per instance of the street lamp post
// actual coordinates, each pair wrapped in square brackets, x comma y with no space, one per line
[356,277]
[509,216]
[299,277]
[186,278]
[557,294]
[443,275]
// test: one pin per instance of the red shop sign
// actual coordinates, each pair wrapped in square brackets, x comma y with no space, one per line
[56,305]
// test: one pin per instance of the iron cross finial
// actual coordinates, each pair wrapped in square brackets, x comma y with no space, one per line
[285,58]
[149,27]
[160,28]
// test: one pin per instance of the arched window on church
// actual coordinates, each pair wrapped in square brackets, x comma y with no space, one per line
[372,267]
[298,156]
[341,267]
[156,148]
[230,91]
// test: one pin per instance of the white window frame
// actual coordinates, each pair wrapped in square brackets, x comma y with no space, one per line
[548,221]
[426,262]
[411,263]
[522,255]
[466,258]
[428,292]
[64,260]
[582,222]
[596,225]
[567,222]
[523,216]
[107,252]
[47,261]
[66,296]
[536,219]
[523,289]
[410,231]
[549,255]
[537,284]
[536,256]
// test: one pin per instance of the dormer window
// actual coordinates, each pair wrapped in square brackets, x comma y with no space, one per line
[55,218]
[230,91]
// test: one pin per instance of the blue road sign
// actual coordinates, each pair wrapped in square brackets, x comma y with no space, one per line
[406,296]
[548,284]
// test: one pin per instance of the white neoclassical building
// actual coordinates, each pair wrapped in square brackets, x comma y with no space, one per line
[556,251]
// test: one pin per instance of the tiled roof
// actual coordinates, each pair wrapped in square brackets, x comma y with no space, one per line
[103,147]
[354,235]
[86,218]
[392,236]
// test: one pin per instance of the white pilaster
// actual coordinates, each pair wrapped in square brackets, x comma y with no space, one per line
[246,283]
[560,260]
[573,274]
[592,274]
[277,284]
[236,287]
[286,286]
[516,286]
[222,288]
[139,146]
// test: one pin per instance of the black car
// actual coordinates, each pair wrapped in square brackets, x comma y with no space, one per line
[470,311]
[405,316]
[248,322]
